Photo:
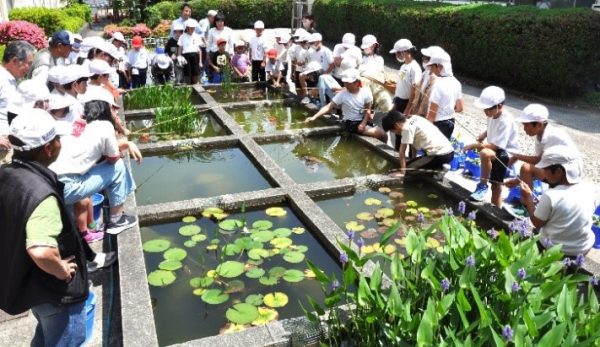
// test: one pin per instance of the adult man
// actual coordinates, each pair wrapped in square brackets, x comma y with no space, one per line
[186,13]
[564,212]
[37,238]
[59,48]
[16,63]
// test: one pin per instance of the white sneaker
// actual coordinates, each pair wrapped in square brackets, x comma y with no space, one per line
[305,100]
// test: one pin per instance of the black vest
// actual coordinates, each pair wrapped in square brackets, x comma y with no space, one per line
[23,186]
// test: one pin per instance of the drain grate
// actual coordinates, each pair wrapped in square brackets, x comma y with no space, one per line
[302,332]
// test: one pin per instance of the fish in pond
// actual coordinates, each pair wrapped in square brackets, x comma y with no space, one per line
[309,159]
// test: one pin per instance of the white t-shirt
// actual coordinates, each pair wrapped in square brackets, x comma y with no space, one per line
[79,154]
[503,132]
[138,59]
[299,54]
[551,137]
[422,134]
[568,212]
[408,76]
[258,46]
[340,51]
[8,88]
[202,30]
[214,35]
[323,56]
[445,92]
[274,68]
[353,105]
[282,52]
[372,62]
[178,20]
[189,43]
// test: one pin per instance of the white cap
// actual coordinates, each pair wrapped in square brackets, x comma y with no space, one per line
[99,93]
[368,41]
[239,43]
[163,61]
[534,113]
[350,75]
[178,26]
[300,32]
[118,36]
[77,37]
[58,101]
[100,67]
[211,13]
[191,23]
[312,67]
[348,40]
[109,49]
[315,37]
[285,38]
[277,33]
[55,72]
[565,156]
[439,58]
[32,91]
[34,127]
[92,42]
[401,46]
[431,50]
[259,24]
[490,97]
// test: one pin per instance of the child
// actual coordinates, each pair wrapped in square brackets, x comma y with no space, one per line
[299,54]
[282,46]
[258,47]
[138,62]
[445,100]
[171,50]
[501,142]
[240,62]
[162,67]
[371,60]
[188,53]
[320,54]
[219,61]
[274,68]
[408,75]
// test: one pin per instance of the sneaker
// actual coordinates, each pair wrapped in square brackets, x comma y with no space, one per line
[102,260]
[90,237]
[480,192]
[516,210]
[305,100]
[124,223]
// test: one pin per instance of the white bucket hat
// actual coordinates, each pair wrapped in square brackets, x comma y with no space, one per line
[55,72]
[33,91]
[34,127]
[490,97]
[163,61]
[368,41]
[431,50]
[99,93]
[401,46]
[534,113]
[211,13]
[316,37]
[58,101]
[118,36]
[100,67]
[564,156]
[442,58]
[240,43]
[350,75]
[178,26]
[259,24]
[348,40]
[191,23]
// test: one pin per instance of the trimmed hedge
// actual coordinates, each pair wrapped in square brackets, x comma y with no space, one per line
[238,13]
[70,18]
[547,52]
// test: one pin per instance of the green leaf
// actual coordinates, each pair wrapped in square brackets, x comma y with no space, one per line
[276,299]
[275,212]
[242,313]
[231,224]
[188,219]
[282,232]
[268,281]
[161,278]
[293,275]
[499,342]
[258,253]
[190,229]
[564,307]
[376,278]
[230,269]
[156,245]
[529,322]
[389,233]
[364,293]
[263,236]
[554,268]
[277,271]
[293,257]
[394,302]
[281,242]
[175,254]
[483,311]
[319,274]
[425,333]
[554,336]
[350,275]
[262,224]
[201,282]
[445,304]
[214,297]
[254,299]
[170,265]
[255,273]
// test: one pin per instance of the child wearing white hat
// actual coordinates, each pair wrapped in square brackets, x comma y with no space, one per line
[371,58]
[258,49]
[408,75]
[318,54]
[188,53]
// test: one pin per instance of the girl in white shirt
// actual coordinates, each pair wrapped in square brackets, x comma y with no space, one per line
[446,95]
[370,47]
[189,49]
[408,75]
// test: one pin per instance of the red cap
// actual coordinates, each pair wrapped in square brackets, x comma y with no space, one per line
[137,42]
[272,53]
[220,41]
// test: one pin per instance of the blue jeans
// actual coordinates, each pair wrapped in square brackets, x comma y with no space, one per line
[59,325]
[114,179]
[325,85]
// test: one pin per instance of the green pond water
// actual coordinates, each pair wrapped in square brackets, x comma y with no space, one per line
[195,174]
[274,118]
[205,125]
[326,158]
[180,311]
[239,93]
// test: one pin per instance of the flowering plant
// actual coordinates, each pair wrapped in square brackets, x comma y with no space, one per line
[481,289]
[141,29]
[22,30]
[162,29]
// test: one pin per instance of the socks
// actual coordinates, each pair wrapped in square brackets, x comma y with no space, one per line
[115,218]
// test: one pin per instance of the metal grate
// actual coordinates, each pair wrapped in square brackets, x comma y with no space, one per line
[302,332]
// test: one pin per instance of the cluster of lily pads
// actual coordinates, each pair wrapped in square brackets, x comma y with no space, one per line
[244,250]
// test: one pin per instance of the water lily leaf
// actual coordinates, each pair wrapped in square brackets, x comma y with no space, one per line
[214,297]
[401,241]
[277,299]
[281,242]
[396,195]
[188,219]
[254,299]
[282,232]
[175,254]
[258,253]
[231,249]
[372,201]
[388,222]
[432,243]
[230,269]
[412,211]
[308,273]
[156,245]
[293,275]
[199,237]
[371,248]
[410,219]
[262,224]
[161,278]
[234,286]
[411,203]
[255,273]
[263,236]
[212,247]
[384,190]
[214,212]
[423,209]
[190,243]
[275,212]
[277,271]
[432,196]
[231,224]
[265,315]
[389,249]
[242,313]
[199,291]
[354,226]
[254,262]
[268,280]
[385,212]
[293,257]
[400,206]
[170,265]
[231,328]
[298,230]
[300,248]
[369,233]
[215,241]
[365,216]
[201,282]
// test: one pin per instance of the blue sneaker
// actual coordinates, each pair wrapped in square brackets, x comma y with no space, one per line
[480,192]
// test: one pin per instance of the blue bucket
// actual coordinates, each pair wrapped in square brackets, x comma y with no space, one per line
[90,312]
[474,170]
[596,229]
[514,194]
[97,200]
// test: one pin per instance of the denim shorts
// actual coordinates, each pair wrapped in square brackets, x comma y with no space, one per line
[59,325]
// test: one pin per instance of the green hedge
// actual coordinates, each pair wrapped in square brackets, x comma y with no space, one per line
[238,13]
[548,52]
[70,18]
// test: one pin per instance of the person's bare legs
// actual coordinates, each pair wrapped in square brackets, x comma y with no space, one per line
[375,132]
[528,172]
[81,209]
[497,194]
[486,156]
[303,86]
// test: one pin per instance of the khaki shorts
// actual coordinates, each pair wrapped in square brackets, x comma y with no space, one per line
[5,156]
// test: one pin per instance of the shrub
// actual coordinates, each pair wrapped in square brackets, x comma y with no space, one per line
[70,18]
[141,29]
[152,16]
[546,52]
[2,48]
[162,29]
[22,30]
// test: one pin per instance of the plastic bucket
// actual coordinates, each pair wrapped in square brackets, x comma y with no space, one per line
[596,229]
[474,170]
[97,200]
[90,312]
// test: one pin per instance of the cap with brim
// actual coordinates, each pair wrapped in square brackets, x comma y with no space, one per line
[429,51]
[58,101]
[178,26]
[55,72]
[312,67]
[73,73]
[534,113]
[240,43]
[285,38]
[100,67]
[221,41]
[137,42]
[118,36]
[61,37]
[440,58]
[272,53]
[490,97]
[109,49]
[299,32]
[99,93]
[32,91]
[191,23]
[211,13]
[348,40]
[316,37]
[34,127]
[163,61]
[401,46]
[566,157]
[259,24]
[368,41]
[77,37]
[350,75]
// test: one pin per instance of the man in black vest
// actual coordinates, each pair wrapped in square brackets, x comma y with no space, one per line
[44,263]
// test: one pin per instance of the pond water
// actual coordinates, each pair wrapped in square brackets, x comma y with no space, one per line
[326,158]
[240,93]
[195,174]
[181,311]
[274,118]
[205,125]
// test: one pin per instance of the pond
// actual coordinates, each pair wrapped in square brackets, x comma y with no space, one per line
[204,275]
[327,158]
[195,174]
[241,93]
[204,125]
[160,96]
[273,118]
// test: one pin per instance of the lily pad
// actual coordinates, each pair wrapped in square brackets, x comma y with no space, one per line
[212,247]
[262,224]
[255,273]
[201,282]
[282,232]
[277,299]
[175,254]
[258,253]
[365,216]
[412,211]
[384,190]
[308,273]
[214,212]
[298,230]
[385,212]
[354,226]
[156,245]
[396,195]
[400,206]
[432,243]
[369,233]
[190,229]
[423,209]
[300,248]
[255,262]
[199,237]
[372,202]
[199,291]
[265,315]
[214,297]
[263,236]
[230,269]
[231,328]
[294,257]
[275,212]
[161,278]
[231,249]
[293,275]
[231,224]
[254,299]
[277,271]
[190,243]
[412,203]
[388,222]
[281,242]
[188,219]
[432,196]
[170,265]
[242,313]
[389,249]
[268,280]
[234,286]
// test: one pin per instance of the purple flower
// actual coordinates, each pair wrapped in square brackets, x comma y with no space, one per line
[343,258]
[521,274]
[515,287]
[335,285]
[350,235]
[520,226]
[493,233]
[472,215]
[547,243]
[470,261]
[360,242]
[594,280]
[462,207]
[445,284]
[450,211]
[507,333]
[579,260]
[567,262]
[420,217]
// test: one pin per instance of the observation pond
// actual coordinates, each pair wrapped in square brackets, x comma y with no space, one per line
[195,174]
[205,125]
[317,159]
[242,93]
[273,118]
[211,268]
